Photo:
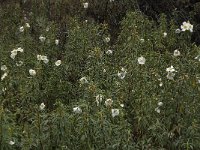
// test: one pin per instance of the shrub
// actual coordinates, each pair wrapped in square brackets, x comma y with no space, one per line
[41,88]
[163,111]
[65,85]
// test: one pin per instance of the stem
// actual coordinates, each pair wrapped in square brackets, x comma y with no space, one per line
[39,129]
[1,130]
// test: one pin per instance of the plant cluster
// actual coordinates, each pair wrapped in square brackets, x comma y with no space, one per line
[73,87]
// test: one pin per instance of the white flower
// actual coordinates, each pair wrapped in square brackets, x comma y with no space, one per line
[77,110]
[122,105]
[164,34]
[142,40]
[58,63]
[170,69]
[170,74]
[56,41]
[184,26]
[122,74]
[187,26]
[109,52]
[21,29]
[108,102]
[28,25]
[19,63]
[3,76]
[99,99]
[177,31]
[11,142]
[160,103]
[177,53]
[3,68]
[85,5]
[42,38]
[47,29]
[157,110]
[115,112]
[141,60]
[42,106]
[83,80]
[32,72]
[161,84]
[107,39]
[39,57]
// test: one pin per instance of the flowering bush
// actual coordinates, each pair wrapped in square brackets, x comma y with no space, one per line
[161,88]
[75,89]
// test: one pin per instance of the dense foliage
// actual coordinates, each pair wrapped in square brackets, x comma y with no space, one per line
[99,75]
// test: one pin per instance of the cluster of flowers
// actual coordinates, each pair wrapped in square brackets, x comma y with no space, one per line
[157,109]
[99,99]
[27,25]
[32,72]
[121,74]
[43,58]
[15,51]
[186,26]
[42,39]
[5,70]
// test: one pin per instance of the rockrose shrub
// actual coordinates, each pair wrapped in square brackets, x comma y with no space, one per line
[161,86]
[66,84]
